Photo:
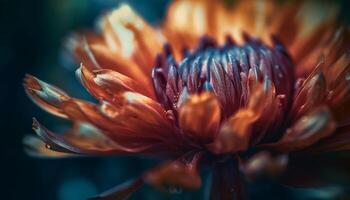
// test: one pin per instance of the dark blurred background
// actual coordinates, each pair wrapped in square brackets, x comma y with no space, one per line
[32,34]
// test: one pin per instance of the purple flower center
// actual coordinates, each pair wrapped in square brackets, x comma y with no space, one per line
[224,70]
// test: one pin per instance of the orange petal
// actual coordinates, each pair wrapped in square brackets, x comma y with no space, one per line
[46,96]
[135,121]
[77,141]
[200,116]
[35,147]
[107,84]
[188,20]
[130,36]
[261,113]
[94,53]
[235,134]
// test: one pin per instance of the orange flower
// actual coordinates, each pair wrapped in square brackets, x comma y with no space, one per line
[238,89]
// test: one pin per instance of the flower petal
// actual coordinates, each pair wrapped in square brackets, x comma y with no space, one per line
[188,20]
[303,28]
[129,35]
[46,96]
[35,147]
[311,94]
[308,130]
[200,116]
[223,87]
[137,122]
[261,112]
[107,84]
[338,85]
[77,142]
[94,53]
[185,23]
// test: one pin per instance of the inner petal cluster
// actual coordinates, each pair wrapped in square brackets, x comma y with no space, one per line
[229,71]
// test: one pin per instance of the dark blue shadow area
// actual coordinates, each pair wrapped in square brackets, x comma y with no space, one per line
[32,34]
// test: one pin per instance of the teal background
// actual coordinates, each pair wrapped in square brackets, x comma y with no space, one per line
[32,34]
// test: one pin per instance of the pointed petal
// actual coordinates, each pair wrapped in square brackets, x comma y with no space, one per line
[128,120]
[220,80]
[311,94]
[200,116]
[338,84]
[35,147]
[76,143]
[94,54]
[108,84]
[46,96]
[137,122]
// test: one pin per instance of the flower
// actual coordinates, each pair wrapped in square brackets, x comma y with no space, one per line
[252,90]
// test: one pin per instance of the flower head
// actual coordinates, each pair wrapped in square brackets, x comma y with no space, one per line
[244,90]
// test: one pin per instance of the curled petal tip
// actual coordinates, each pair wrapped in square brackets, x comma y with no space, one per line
[30,82]
[46,96]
